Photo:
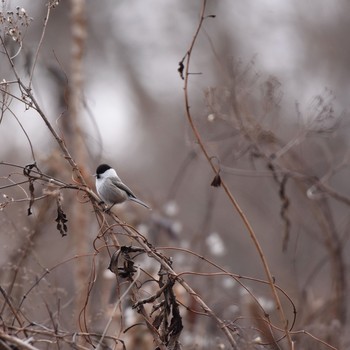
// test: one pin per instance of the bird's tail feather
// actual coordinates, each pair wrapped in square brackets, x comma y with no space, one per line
[139,201]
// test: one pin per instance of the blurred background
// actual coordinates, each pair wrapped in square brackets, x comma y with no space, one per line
[268,92]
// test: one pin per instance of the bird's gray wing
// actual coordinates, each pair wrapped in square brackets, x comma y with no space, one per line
[123,187]
[119,184]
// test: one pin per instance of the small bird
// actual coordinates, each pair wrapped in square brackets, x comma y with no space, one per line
[111,189]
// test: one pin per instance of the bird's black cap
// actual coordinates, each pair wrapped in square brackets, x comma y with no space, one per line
[102,168]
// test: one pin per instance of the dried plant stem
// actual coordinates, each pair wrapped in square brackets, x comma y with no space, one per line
[27,94]
[39,45]
[162,261]
[126,292]
[235,204]
[19,343]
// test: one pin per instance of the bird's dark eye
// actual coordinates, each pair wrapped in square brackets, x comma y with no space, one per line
[98,176]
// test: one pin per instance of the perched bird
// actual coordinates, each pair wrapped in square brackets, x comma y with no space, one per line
[111,189]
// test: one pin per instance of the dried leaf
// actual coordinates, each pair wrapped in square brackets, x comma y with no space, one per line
[31,191]
[216,181]
[181,69]
[61,219]
[127,269]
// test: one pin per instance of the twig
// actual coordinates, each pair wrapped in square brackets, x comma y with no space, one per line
[39,45]
[162,261]
[36,106]
[16,341]
[138,272]
[187,59]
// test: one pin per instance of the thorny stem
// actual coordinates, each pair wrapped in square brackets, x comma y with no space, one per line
[235,204]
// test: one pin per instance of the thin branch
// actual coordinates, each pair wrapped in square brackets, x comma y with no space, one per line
[16,341]
[39,45]
[187,59]
[162,261]
[122,297]
[59,140]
